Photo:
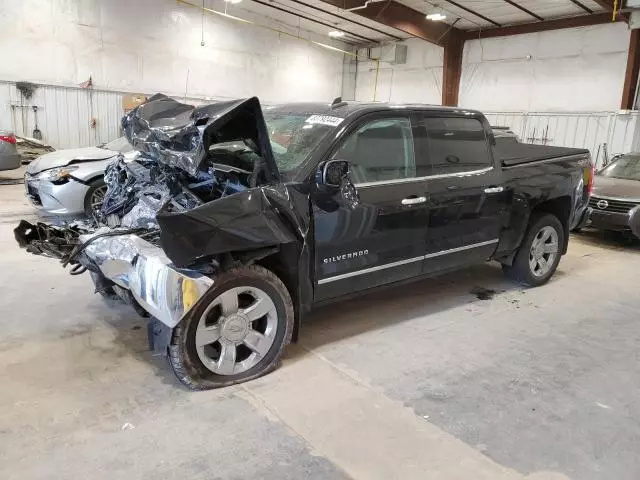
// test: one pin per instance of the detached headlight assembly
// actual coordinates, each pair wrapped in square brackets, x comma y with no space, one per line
[57,175]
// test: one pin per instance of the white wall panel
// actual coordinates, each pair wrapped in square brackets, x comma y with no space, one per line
[418,81]
[577,69]
[155,45]
[64,114]
[147,46]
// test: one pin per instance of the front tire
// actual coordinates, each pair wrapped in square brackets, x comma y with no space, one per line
[94,197]
[236,333]
[539,254]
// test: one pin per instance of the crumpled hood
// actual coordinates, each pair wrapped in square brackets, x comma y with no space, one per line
[180,135]
[616,188]
[61,158]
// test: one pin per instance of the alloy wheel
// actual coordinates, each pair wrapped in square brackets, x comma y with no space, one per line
[543,252]
[97,197]
[236,330]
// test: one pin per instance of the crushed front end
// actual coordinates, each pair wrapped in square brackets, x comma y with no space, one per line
[203,193]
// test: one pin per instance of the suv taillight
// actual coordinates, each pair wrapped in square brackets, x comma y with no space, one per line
[8,138]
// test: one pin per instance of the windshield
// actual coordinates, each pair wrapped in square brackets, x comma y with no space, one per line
[626,166]
[120,145]
[294,136]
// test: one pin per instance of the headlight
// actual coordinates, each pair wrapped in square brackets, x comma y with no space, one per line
[56,174]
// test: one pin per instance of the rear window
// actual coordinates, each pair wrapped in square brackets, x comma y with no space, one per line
[456,145]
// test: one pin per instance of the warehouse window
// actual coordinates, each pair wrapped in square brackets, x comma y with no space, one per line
[456,145]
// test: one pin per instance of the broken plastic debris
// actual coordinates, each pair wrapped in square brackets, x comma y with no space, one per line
[127,426]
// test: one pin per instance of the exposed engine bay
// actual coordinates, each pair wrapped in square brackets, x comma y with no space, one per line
[139,189]
[204,184]
[182,165]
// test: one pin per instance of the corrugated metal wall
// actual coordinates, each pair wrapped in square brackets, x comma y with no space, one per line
[65,114]
[612,132]
[65,119]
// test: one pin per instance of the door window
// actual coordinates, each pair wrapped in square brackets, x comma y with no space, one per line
[456,145]
[379,151]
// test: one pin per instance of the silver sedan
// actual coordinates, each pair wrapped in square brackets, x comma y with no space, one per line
[71,182]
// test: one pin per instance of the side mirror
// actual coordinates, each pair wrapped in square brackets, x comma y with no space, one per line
[332,173]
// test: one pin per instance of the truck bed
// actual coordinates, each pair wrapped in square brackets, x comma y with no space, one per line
[513,153]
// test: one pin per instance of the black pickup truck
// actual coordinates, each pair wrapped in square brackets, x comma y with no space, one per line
[235,220]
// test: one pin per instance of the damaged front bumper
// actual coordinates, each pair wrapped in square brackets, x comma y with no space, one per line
[164,291]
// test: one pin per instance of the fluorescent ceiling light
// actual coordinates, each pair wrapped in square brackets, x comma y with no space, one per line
[336,33]
[233,1]
[436,17]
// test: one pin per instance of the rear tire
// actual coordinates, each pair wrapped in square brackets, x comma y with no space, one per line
[97,190]
[236,333]
[537,259]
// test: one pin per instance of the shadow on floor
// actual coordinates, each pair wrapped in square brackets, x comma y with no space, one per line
[421,299]
[131,336]
[609,240]
[344,319]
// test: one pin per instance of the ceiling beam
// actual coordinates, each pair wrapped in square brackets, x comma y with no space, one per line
[528,12]
[399,16]
[309,19]
[608,4]
[345,19]
[473,12]
[583,7]
[572,22]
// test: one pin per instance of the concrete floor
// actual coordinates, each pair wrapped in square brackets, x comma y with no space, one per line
[424,381]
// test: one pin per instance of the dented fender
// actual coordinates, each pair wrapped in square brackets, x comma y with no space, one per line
[271,216]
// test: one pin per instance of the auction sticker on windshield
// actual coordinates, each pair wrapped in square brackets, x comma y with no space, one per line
[325,120]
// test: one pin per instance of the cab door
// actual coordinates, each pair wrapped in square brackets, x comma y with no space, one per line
[382,239]
[466,195]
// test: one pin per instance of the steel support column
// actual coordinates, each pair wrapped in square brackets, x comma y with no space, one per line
[452,70]
[631,74]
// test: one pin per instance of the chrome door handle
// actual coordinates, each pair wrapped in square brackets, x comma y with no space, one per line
[413,200]
[494,190]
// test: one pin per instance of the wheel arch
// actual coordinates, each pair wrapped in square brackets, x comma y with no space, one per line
[560,207]
[524,210]
[290,264]
[95,177]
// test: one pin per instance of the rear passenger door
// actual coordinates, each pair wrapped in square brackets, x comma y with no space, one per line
[466,195]
[381,240]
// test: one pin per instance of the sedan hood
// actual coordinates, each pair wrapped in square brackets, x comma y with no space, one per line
[180,135]
[61,158]
[616,188]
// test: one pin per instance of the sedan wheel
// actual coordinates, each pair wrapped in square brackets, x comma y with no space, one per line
[94,197]
[97,197]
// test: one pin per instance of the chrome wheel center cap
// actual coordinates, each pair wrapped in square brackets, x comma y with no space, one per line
[235,328]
